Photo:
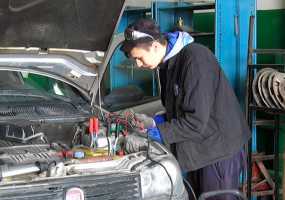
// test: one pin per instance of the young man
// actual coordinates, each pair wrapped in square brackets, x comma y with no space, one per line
[205,126]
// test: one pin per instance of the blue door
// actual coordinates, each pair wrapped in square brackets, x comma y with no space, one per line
[231,41]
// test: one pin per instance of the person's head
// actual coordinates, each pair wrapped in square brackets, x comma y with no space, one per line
[144,43]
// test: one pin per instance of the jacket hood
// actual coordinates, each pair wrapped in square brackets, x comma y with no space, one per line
[177,41]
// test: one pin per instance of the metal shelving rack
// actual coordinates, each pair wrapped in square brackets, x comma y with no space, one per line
[251,109]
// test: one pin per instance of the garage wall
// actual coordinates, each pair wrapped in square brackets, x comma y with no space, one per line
[270,26]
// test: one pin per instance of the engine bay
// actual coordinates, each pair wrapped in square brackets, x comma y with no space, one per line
[36,151]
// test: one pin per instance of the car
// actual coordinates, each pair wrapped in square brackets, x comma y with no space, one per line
[58,140]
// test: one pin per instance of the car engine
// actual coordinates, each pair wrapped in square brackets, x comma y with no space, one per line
[35,151]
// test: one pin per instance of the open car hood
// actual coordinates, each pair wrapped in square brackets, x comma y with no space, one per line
[68,24]
[57,38]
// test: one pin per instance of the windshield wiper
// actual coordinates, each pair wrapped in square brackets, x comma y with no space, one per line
[34,94]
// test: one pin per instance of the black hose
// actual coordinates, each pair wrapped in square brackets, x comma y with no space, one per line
[156,162]
[190,187]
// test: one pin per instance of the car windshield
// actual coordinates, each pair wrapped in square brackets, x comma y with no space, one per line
[19,87]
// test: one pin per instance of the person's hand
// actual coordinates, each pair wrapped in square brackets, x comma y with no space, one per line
[147,121]
[135,143]
[159,118]
[150,125]
[154,134]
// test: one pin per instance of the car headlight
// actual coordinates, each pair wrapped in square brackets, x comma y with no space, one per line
[163,178]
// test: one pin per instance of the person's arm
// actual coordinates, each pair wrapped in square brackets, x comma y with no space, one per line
[200,87]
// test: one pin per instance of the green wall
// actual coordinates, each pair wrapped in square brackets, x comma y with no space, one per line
[271,33]
[205,22]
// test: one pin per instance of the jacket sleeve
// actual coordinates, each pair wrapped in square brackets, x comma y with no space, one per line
[199,87]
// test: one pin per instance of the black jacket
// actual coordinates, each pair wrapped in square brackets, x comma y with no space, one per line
[205,121]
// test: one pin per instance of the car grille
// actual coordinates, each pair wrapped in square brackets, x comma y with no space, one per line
[110,187]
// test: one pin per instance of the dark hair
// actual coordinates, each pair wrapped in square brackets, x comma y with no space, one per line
[147,31]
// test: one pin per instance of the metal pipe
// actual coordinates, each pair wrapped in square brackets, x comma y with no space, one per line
[8,171]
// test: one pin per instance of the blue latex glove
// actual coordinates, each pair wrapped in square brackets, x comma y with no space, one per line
[150,125]
[159,119]
[154,134]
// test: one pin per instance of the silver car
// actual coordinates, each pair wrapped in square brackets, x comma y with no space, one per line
[57,141]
